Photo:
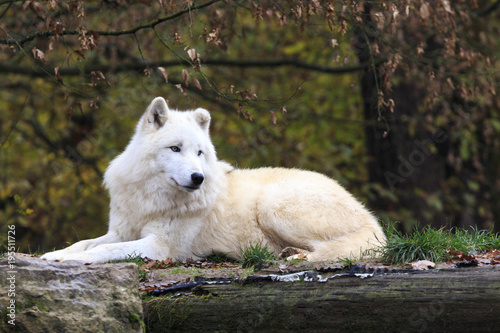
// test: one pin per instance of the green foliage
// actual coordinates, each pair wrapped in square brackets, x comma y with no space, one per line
[70,99]
[347,262]
[253,254]
[431,244]
[134,318]
[474,240]
[133,258]
[426,244]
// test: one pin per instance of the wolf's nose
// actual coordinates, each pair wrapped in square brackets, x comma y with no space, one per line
[197,178]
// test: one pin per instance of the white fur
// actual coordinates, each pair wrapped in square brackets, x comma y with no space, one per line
[154,212]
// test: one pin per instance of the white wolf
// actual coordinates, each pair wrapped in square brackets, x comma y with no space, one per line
[172,198]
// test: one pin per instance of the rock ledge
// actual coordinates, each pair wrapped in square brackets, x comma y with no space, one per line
[69,296]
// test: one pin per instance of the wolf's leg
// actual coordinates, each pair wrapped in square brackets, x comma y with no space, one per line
[81,246]
[353,245]
[151,246]
[290,252]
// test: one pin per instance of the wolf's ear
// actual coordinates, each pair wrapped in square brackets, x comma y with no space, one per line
[156,114]
[202,117]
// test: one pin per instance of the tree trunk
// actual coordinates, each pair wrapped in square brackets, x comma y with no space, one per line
[402,161]
[438,301]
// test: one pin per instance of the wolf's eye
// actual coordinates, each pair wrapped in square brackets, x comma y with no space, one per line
[175,149]
[199,152]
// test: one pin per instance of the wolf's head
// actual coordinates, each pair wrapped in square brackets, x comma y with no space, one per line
[171,147]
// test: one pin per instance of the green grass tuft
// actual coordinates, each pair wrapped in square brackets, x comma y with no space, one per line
[253,254]
[475,240]
[218,257]
[431,244]
[347,262]
[136,259]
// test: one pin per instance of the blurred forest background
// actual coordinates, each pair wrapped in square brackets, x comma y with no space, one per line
[397,100]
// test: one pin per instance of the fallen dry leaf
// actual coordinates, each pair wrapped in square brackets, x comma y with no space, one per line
[461,259]
[422,265]
[283,268]
[492,254]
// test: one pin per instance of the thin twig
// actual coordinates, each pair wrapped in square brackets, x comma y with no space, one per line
[150,25]
[16,120]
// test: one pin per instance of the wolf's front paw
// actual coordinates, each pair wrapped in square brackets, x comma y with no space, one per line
[63,255]
[56,255]
[81,257]
[89,257]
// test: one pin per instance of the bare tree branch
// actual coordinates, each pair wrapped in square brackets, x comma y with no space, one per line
[9,2]
[488,10]
[150,25]
[59,150]
[139,66]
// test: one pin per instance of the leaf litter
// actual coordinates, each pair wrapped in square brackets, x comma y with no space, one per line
[167,276]
[459,259]
[171,275]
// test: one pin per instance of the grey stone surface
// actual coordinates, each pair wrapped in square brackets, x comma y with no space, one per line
[69,296]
